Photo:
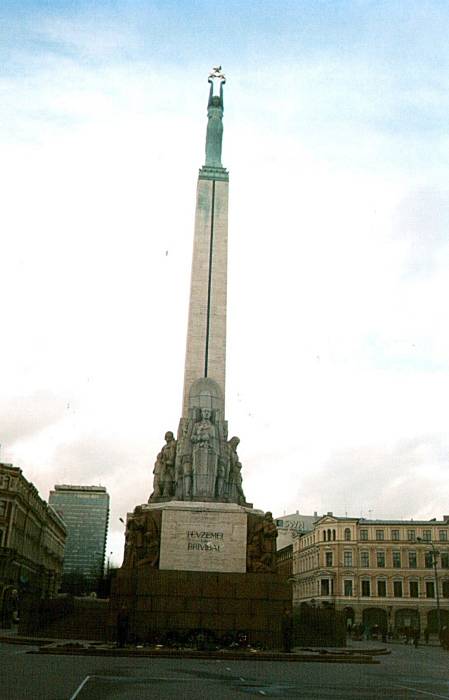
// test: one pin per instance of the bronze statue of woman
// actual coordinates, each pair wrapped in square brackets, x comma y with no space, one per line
[214,133]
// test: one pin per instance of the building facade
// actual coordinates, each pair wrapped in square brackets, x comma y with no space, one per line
[32,538]
[292,526]
[389,573]
[85,511]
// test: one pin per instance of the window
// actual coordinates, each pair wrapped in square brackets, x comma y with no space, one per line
[414,591]
[347,558]
[347,534]
[395,535]
[396,560]
[381,559]
[381,588]
[328,558]
[444,560]
[397,589]
[445,589]
[364,559]
[2,509]
[379,534]
[411,535]
[366,588]
[324,535]
[334,535]
[363,534]
[1,538]
[4,482]
[412,560]
[347,587]
[427,535]
[428,560]
[324,586]
[430,589]
[442,535]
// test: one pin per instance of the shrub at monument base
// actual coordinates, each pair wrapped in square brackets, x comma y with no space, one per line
[65,618]
[318,627]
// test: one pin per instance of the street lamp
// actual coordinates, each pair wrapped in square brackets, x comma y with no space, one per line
[435,554]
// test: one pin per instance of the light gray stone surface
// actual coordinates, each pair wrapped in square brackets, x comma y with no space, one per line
[205,537]
[206,333]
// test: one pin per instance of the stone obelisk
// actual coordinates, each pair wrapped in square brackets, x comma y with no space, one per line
[206,334]
[202,465]
[198,556]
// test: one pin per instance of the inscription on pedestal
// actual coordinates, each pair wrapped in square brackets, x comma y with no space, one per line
[203,541]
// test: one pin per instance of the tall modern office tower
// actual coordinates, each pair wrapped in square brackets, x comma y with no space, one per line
[85,511]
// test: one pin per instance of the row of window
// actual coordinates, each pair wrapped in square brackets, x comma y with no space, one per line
[396,559]
[327,588]
[395,535]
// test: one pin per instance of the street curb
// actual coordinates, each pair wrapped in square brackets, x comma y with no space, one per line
[26,640]
[318,657]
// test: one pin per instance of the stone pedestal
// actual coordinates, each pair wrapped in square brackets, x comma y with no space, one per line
[161,602]
[208,575]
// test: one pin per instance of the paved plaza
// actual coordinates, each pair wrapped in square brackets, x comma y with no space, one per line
[405,673]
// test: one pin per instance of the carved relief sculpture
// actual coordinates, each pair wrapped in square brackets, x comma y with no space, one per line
[261,544]
[142,539]
[205,455]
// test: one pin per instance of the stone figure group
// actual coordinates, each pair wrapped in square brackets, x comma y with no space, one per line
[142,539]
[201,465]
[261,544]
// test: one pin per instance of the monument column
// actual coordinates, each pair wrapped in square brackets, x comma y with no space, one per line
[206,334]
[197,523]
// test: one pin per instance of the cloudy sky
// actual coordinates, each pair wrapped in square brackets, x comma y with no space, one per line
[337,142]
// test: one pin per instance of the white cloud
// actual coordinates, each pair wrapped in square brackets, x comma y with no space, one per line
[337,355]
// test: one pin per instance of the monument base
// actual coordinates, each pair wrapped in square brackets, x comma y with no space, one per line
[182,603]
[192,567]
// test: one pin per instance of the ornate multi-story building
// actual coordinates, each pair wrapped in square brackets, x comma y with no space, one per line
[389,573]
[32,538]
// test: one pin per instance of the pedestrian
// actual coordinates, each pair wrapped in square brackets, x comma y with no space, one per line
[426,635]
[416,636]
[122,626]
[287,629]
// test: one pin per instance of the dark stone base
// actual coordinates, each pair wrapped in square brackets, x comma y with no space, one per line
[163,601]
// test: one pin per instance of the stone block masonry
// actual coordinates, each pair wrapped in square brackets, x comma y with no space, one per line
[222,603]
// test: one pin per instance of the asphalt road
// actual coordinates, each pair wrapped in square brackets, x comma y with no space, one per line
[407,673]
